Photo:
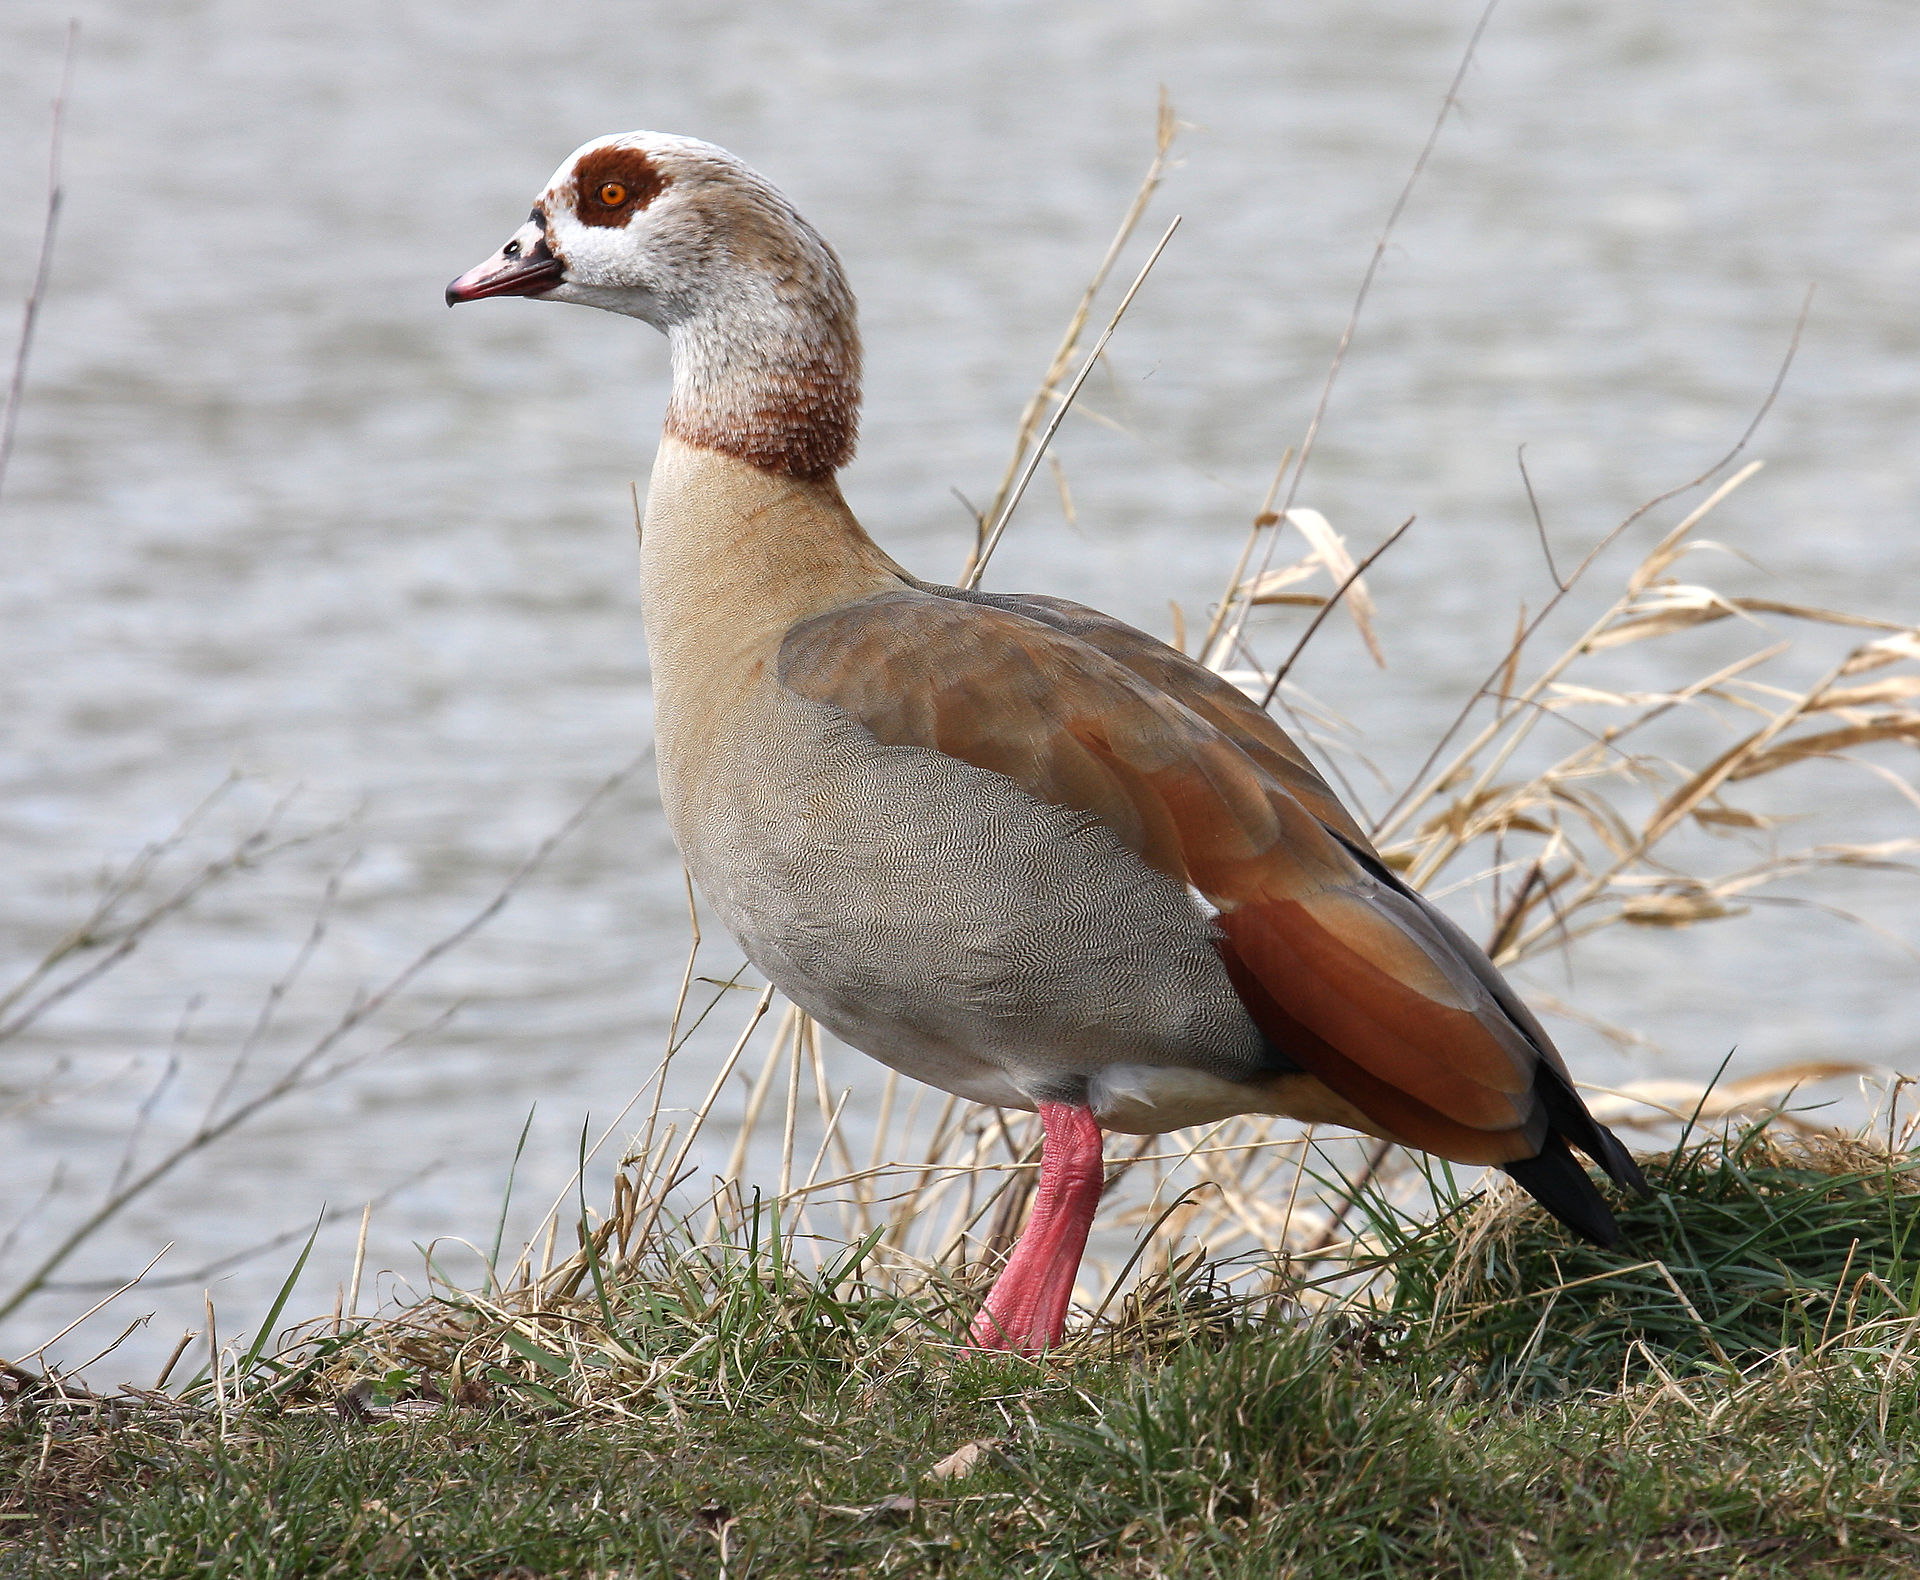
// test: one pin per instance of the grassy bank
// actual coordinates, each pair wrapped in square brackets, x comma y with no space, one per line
[1733,1393]
[1279,1452]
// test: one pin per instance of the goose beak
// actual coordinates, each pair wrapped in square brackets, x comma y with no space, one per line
[526,266]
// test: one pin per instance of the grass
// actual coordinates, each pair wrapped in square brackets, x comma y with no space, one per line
[1752,1246]
[1283,1451]
[1484,1397]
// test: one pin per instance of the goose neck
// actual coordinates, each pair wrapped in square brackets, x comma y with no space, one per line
[728,544]
[770,377]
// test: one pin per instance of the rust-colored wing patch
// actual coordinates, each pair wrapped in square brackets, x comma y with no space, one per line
[1449,1057]
[1397,1114]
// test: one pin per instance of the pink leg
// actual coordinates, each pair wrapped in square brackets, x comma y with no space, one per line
[1027,1307]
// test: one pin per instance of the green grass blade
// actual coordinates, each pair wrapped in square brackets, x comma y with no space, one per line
[506,1200]
[261,1338]
[544,1358]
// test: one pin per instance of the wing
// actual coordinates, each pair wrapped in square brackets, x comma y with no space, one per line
[1223,705]
[1350,974]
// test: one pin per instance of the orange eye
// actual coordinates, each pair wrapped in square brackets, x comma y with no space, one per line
[613,194]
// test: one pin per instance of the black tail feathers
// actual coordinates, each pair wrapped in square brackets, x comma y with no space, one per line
[1567,1117]
[1556,1178]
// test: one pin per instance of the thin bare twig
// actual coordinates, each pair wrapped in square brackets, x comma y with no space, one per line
[37,293]
[994,533]
[312,1067]
[1166,128]
[226,1264]
[98,931]
[1539,521]
[1327,608]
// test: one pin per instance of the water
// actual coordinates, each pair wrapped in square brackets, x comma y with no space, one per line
[275,510]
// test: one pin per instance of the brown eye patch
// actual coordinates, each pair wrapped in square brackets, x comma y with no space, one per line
[611,185]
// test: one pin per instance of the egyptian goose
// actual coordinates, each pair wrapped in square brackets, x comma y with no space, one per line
[1006,845]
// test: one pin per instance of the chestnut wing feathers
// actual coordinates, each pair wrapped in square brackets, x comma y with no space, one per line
[1345,969]
[1221,704]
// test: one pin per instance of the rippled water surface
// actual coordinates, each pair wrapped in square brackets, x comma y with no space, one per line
[276,512]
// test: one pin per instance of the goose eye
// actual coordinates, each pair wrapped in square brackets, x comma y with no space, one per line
[613,194]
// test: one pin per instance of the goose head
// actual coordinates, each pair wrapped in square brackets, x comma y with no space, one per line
[684,236]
